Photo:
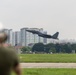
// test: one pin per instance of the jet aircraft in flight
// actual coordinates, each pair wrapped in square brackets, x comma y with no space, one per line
[55,36]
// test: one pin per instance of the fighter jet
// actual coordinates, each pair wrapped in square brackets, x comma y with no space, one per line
[55,36]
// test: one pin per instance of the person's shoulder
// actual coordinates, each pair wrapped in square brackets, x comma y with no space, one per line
[11,50]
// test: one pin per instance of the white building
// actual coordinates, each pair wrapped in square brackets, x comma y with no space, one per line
[17,38]
[41,39]
[13,36]
[10,36]
[30,38]
[45,39]
[9,33]
[34,38]
[24,37]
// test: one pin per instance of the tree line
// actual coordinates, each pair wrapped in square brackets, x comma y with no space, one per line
[50,48]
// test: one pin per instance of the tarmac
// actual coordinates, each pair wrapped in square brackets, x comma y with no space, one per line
[48,65]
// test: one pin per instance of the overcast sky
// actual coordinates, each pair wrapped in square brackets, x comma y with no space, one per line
[52,15]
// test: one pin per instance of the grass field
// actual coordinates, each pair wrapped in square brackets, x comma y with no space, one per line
[49,71]
[64,58]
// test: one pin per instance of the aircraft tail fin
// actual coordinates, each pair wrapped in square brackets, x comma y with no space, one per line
[55,36]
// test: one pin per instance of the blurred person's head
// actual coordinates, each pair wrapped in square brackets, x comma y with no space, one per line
[3,37]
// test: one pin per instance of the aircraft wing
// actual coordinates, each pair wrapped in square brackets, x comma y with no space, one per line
[33,31]
[44,35]
[55,36]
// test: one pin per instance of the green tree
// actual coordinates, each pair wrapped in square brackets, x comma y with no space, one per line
[53,50]
[73,46]
[49,46]
[38,47]
[25,49]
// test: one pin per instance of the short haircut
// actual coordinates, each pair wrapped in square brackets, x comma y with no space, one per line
[4,37]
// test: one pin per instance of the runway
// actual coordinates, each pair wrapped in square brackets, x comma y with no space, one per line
[48,65]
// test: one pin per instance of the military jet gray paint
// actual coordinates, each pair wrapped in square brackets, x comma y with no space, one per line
[33,31]
[55,36]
